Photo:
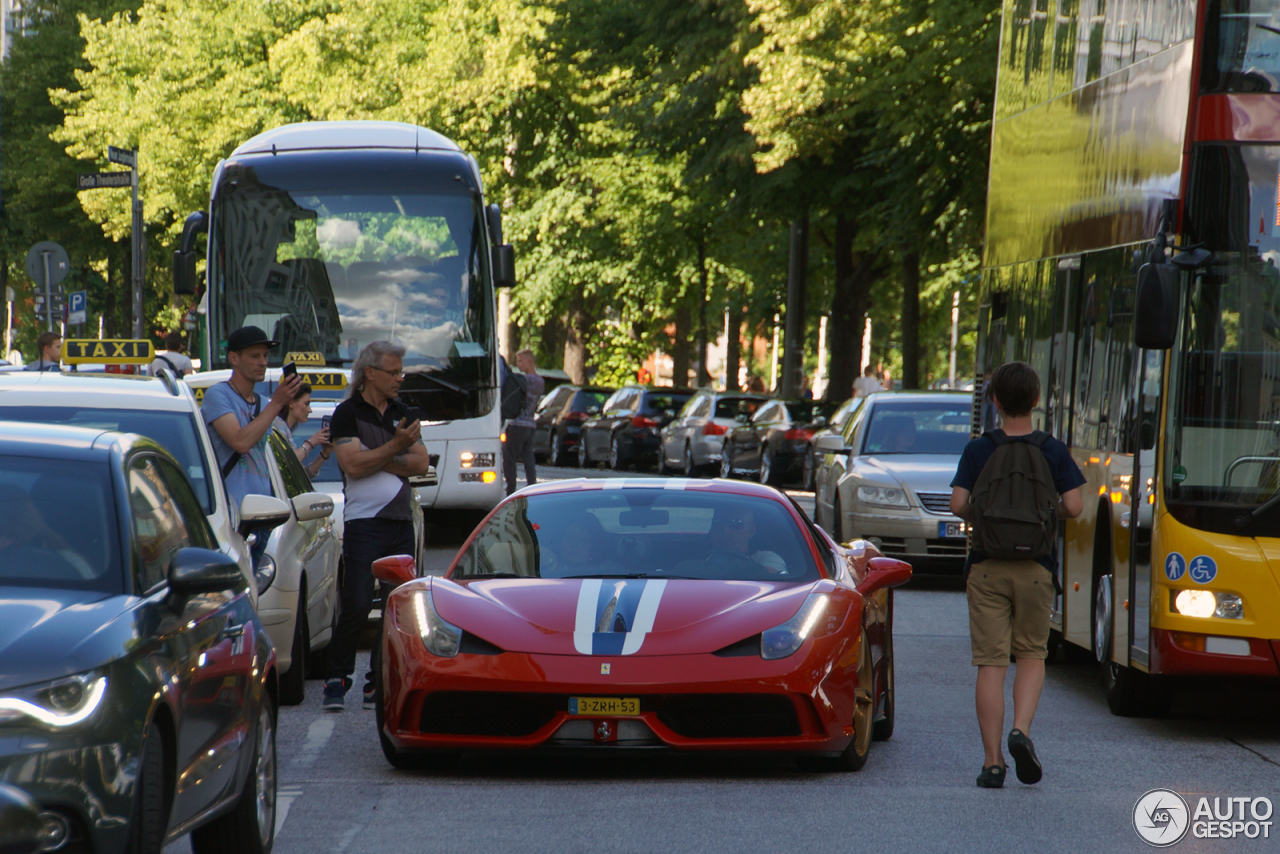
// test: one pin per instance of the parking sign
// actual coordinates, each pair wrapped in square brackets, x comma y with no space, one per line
[78,307]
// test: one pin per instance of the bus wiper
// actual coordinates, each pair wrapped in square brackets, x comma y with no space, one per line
[1244,520]
[445,384]
[496,575]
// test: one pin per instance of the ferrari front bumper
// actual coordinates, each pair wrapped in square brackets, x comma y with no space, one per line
[706,702]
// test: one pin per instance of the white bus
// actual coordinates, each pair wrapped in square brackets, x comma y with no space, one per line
[329,235]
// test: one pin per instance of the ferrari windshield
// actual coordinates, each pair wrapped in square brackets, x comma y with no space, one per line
[641,532]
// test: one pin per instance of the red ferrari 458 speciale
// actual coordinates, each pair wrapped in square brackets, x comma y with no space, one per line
[612,614]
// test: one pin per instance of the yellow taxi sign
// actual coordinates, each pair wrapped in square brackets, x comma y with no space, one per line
[301,358]
[108,351]
[324,380]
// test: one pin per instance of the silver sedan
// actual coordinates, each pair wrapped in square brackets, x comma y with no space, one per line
[886,477]
[694,440]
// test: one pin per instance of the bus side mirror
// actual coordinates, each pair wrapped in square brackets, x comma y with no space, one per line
[504,266]
[1156,307]
[185,256]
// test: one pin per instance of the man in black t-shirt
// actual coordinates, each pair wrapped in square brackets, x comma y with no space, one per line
[1010,600]
[379,447]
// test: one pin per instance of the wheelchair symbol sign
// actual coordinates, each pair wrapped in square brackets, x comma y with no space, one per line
[1174,566]
[1203,569]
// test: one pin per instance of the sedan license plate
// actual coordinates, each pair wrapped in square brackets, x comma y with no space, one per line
[628,706]
[952,529]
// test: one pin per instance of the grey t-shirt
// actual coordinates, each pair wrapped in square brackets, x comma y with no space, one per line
[250,476]
[534,388]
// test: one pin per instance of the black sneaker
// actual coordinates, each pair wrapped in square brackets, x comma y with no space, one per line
[992,777]
[370,696]
[1025,761]
[335,694]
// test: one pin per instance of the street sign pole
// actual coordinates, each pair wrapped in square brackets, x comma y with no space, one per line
[139,251]
[48,293]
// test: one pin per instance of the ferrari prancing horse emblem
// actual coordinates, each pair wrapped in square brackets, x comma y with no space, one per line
[604,669]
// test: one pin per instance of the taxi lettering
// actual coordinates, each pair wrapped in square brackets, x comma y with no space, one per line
[111,351]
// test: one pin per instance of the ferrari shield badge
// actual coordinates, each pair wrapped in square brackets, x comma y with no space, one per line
[604,669]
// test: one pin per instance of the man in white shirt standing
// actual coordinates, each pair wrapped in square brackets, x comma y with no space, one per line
[866,383]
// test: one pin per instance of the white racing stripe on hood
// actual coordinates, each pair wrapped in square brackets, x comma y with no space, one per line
[646,611]
[584,623]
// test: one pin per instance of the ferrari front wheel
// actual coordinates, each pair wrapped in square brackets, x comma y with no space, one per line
[864,705]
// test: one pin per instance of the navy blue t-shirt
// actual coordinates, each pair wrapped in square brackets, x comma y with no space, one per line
[1066,476]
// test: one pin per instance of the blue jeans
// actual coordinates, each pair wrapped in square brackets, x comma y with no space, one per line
[363,542]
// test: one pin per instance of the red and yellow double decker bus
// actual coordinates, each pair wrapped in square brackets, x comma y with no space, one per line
[1131,133]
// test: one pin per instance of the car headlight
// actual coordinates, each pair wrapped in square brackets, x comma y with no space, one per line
[59,704]
[439,636]
[882,496]
[783,640]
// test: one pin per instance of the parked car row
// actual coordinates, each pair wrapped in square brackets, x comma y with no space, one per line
[143,646]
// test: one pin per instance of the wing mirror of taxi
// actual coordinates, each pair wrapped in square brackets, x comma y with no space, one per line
[884,573]
[312,505]
[260,513]
[395,570]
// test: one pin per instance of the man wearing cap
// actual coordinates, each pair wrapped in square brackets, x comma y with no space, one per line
[240,420]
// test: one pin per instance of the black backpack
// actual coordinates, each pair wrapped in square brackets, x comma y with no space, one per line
[1015,501]
[515,391]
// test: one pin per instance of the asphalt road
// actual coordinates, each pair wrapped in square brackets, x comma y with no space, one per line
[916,793]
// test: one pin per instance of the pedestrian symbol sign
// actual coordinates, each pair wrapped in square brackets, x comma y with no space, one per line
[1174,566]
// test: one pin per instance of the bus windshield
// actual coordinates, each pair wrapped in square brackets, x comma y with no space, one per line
[1224,424]
[1242,46]
[329,269]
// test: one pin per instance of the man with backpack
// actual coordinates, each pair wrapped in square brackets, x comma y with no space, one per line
[520,421]
[174,359]
[1011,486]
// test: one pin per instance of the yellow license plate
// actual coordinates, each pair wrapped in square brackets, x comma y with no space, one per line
[604,705]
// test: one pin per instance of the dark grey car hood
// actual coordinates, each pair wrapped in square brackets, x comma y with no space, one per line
[49,633]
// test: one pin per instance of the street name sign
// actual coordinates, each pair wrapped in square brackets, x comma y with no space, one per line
[99,180]
[123,156]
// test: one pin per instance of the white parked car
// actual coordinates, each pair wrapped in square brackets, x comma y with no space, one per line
[886,477]
[302,547]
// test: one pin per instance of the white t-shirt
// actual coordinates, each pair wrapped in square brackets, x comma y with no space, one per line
[181,362]
[863,386]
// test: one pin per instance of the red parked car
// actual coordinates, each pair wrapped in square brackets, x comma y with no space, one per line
[606,614]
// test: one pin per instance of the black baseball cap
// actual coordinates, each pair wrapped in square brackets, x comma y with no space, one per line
[247,336]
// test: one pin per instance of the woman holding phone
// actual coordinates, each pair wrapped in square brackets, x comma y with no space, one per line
[297,412]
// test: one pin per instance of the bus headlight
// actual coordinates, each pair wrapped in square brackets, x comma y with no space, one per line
[468,460]
[1205,603]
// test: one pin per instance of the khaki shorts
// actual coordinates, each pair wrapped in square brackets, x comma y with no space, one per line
[1009,604]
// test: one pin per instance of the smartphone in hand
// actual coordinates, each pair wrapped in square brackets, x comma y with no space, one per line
[416,414]
[289,370]
[324,421]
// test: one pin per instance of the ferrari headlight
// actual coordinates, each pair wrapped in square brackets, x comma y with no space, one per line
[781,641]
[439,636]
[59,704]
[882,496]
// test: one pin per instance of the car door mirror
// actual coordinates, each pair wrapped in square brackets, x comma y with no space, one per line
[312,505]
[742,418]
[831,443]
[1156,307]
[194,570]
[396,569]
[593,410]
[262,513]
[884,573]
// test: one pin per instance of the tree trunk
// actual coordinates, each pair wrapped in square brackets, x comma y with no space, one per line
[732,347]
[680,347]
[793,336]
[854,275]
[553,339]
[911,319]
[575,339]
[704,376]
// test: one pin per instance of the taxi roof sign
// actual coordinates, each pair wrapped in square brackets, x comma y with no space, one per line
[107,351]
[308,358]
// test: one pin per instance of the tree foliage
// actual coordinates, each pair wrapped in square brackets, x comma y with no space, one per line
[648,156]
